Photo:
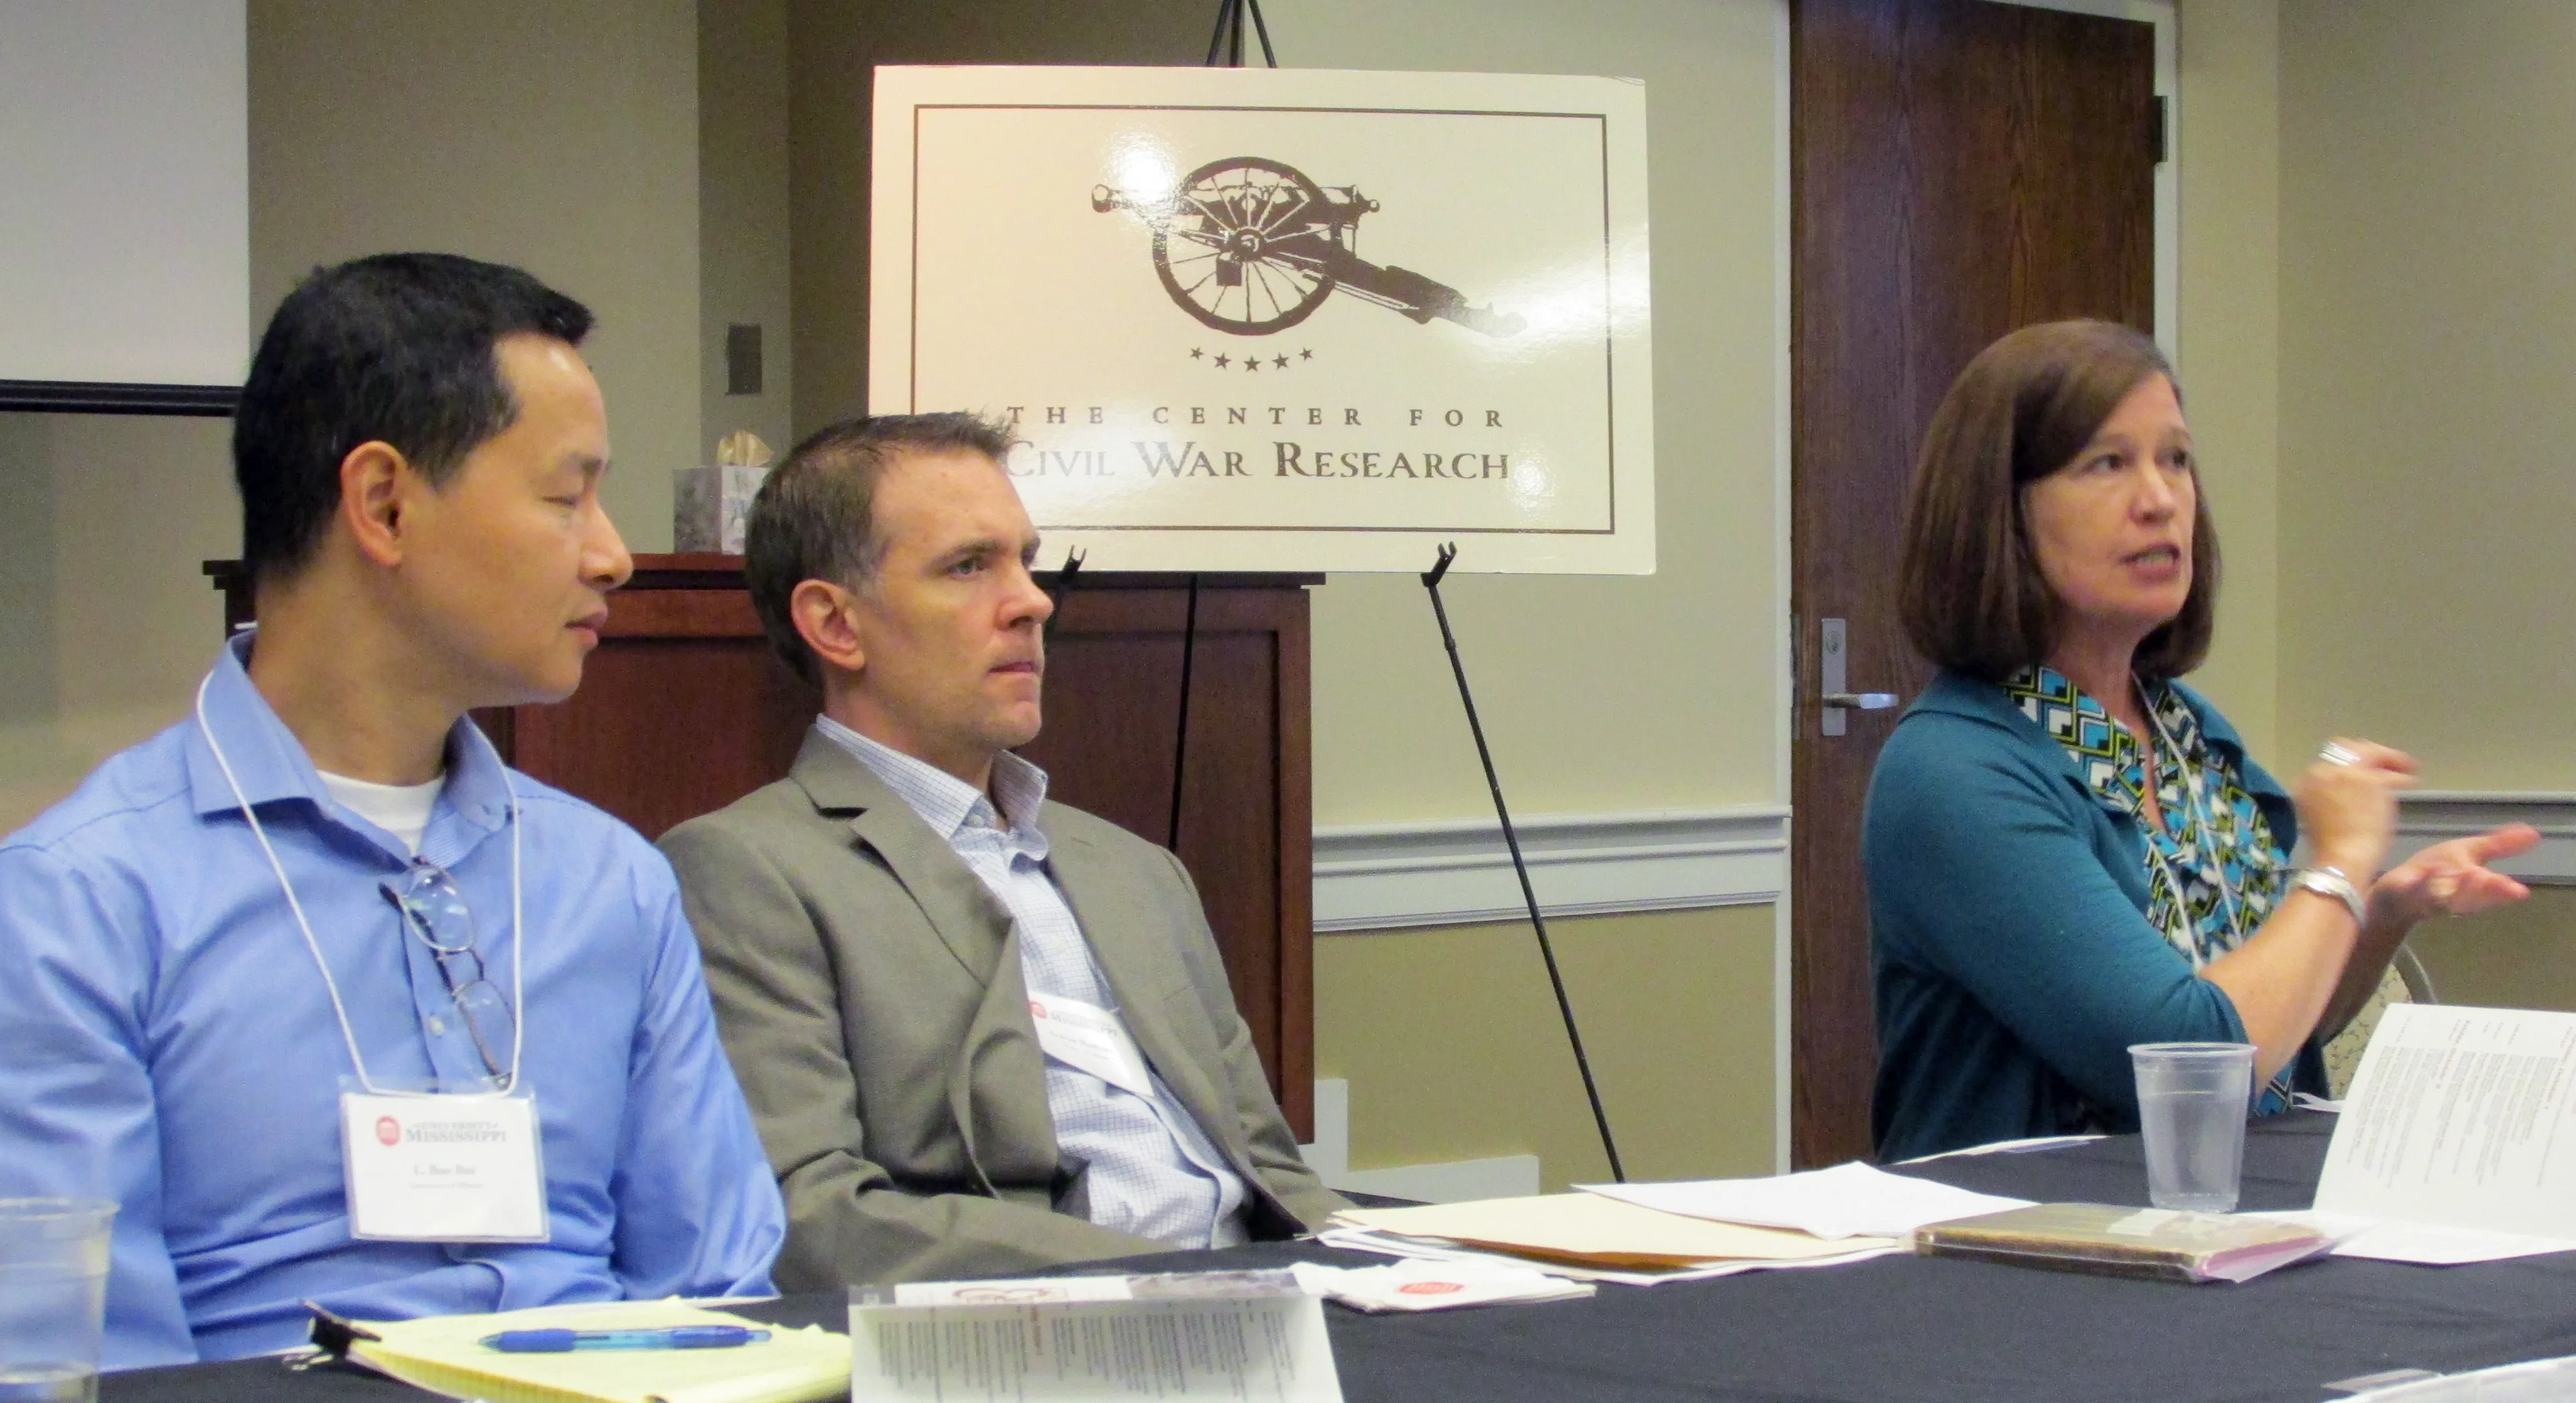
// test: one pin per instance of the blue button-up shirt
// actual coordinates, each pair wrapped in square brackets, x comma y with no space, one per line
[167,1042]
[1152,1169]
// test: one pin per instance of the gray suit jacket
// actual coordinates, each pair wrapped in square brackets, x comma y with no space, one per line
[868,990]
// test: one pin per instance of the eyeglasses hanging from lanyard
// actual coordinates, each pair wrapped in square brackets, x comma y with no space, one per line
[435,911]
[488,1032]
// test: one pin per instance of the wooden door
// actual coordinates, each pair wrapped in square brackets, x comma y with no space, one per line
[1959,168]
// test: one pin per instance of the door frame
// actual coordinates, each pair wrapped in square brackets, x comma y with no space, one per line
[2168,302]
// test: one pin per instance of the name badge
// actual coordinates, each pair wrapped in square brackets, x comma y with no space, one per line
[443,1168]
[1091,1039]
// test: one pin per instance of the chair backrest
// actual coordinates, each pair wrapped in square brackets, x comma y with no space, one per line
[2419,980]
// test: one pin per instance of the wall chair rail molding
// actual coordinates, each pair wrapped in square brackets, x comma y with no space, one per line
[2429,816]
[1456,872]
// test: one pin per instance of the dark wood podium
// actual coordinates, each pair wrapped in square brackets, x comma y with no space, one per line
[684,709]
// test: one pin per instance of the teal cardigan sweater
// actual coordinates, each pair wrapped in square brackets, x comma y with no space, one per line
[2010,949]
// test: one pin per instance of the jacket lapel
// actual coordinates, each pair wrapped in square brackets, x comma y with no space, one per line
[997,1082]
[1118,925]
[972,924]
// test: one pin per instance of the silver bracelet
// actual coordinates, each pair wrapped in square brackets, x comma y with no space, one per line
[2331,881]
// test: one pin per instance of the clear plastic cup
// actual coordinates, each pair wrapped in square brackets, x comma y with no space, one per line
[53,1297]
[2192,1103]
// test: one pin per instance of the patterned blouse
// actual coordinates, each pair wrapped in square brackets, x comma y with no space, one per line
[2214,872]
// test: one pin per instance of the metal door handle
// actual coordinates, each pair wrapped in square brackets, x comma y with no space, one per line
[1837,702]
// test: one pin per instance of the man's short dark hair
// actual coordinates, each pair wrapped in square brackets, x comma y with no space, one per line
[815,517]
[1968,585]
[398,348]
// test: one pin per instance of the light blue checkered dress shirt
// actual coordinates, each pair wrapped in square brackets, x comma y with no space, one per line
[1153,1171]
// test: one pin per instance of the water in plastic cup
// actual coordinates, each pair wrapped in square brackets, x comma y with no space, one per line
[2192,1103]
[53,1297]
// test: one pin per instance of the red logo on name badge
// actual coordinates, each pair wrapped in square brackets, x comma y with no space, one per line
[1430,1288]
[388,1130]
[1036,1009]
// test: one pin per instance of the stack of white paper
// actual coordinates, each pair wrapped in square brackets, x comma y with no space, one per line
[1848,1200]
[1592,1237]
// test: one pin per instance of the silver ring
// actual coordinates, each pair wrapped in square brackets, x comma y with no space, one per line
[2337,753]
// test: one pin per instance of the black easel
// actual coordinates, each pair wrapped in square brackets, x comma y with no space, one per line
[1063,587]
[1520,868]
[1228,39]
[1181,734]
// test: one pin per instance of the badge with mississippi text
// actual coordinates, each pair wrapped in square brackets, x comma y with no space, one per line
[1091,1038]
[444,1168]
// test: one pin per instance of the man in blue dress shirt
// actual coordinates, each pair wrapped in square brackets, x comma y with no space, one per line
[289,920]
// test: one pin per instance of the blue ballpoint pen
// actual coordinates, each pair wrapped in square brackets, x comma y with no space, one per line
[677,1337]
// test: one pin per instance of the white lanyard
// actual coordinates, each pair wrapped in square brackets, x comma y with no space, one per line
[2200,815]
[518,941]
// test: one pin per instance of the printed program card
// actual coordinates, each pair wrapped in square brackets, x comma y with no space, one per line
[1251,1336]
[2461,1117]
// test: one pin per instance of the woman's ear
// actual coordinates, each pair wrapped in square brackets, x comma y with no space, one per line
[825,618]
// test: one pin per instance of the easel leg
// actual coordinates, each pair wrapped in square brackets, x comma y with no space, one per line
[1520,868]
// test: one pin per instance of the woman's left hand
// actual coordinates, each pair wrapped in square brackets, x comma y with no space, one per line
[2453,879]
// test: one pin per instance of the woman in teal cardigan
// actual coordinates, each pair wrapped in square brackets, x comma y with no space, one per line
[2068,850]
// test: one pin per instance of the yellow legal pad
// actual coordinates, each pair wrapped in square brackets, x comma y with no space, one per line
[444,1354]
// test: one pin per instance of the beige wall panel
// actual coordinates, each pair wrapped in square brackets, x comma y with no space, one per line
[743,216]
[106,621]
[2523,956]
[2229,71]
[1450,1039]
[833,48]
[561,137]
[2428,350]
[1597,694]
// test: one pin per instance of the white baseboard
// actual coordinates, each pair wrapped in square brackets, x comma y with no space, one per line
[1452,1181]
[1460,1181]
[2428,816]
[1390,876]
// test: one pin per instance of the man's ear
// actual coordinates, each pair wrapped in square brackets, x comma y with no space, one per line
[823,614]
[376,485]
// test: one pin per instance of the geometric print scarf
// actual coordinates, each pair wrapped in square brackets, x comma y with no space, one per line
[2213,872]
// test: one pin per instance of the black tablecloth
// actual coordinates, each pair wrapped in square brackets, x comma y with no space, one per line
[1899,1328]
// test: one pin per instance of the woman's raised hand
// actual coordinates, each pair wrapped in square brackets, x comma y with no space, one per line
[2453,879]
[2347,801]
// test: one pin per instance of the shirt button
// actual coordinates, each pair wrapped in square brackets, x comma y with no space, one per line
[437,1026]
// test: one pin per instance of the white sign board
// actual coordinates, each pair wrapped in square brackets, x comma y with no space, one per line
[1280,320]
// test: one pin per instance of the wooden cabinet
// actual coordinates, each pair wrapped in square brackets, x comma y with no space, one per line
[684,709]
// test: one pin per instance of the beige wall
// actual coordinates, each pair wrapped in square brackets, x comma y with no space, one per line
[742,216]
[2518,957]
[833,48]
[2228,71]
[1597,694]
[1452,1045]
[106,621]
[2428,383]
[561,137]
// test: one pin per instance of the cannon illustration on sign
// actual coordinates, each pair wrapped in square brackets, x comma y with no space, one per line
[1250,246]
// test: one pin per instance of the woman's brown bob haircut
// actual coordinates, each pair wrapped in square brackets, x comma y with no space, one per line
[1969,587]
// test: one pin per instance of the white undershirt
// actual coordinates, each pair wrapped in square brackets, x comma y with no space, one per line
[399,809]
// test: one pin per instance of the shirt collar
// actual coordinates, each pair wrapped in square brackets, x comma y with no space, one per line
[941,799]
[271,764]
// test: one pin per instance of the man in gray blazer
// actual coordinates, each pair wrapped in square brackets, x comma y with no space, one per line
[980,1032]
